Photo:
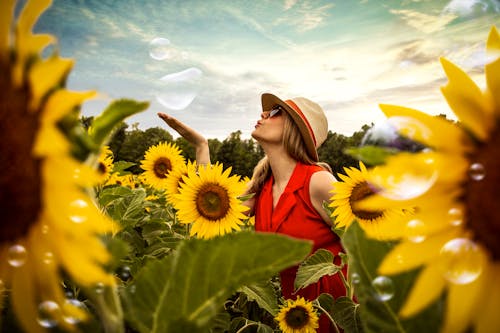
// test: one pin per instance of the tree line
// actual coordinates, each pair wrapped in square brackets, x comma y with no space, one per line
[129,143]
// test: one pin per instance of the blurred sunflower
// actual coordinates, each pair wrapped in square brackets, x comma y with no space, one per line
[298,316]
[380,224]
[127,180]
[105,164]
[175,179]
[159,161]
[457,216]
[209,200]
[49,224]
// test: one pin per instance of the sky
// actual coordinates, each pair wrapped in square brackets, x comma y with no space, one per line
[207,62]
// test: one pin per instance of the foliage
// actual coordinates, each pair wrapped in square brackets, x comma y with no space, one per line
[381,297]
[241,154]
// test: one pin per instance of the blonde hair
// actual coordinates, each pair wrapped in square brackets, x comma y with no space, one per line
[295,147]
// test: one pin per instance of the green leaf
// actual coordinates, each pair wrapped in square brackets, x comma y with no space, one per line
[380,304]
[110,194]
[244,325]
[346,314]
[190,285]
[314,267]
[120,167]
[103,125]
[325,301]
[264,294]
[128,209]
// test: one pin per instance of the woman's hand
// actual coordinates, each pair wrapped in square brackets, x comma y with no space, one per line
[196,139]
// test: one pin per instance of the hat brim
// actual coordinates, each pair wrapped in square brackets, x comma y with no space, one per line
[269,101]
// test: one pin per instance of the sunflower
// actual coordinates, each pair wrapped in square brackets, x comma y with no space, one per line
[49,224]
[297,316]
[159,161]
[127,180]
[105,163]
[209,200]
[457,207]
[353,188]
[175,179]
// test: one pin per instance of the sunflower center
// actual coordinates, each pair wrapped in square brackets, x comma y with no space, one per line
[297,317]
[212,201]
[102,168]
[360,192]
[162,167]
[19,170]
[482,195]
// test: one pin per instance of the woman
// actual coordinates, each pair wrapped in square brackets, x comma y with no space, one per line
[289,183]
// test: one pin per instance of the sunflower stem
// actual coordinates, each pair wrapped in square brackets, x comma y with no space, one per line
[109,308]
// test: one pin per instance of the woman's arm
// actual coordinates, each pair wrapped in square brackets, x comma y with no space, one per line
[320,189]
[196,139]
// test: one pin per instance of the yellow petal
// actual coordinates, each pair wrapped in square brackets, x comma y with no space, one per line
[427,287]
[50,141]
[390,226]
[28,44]
[30,14]
[6,14]
[434,131]
[62,102]
[493,42]
[467,101]
[487,319]
[492,70]
[408,255]
[23,297]
[462,304]
[46,75]
[31,47]
[492,73]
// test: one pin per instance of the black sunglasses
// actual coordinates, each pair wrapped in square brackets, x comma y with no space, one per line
[274,111]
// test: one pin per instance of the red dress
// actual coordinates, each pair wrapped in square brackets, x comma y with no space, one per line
[295,216]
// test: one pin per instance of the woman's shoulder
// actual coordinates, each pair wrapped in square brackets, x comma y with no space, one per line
[322,183]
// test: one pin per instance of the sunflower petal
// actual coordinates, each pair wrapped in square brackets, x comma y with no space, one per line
[492,70]
[487,319]
[408,255]
[467,101]
[426,288]
[30,14]
[493,42]
[46,75]
[62,102]
[23,297]
[32,47]
[461,303]
[6,14]
[440,133]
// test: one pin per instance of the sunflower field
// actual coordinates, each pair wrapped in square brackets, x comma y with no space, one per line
[87,246]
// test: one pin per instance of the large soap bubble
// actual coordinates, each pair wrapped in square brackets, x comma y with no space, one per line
[178,90]
[159,48]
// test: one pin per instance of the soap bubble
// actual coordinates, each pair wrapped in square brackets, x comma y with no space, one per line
[461,260]
[159,48]
[383,288]
[385,134]
[178,90]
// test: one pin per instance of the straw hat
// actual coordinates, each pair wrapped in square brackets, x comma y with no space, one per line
[309,117]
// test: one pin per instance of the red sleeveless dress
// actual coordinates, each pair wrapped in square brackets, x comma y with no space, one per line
[295,216]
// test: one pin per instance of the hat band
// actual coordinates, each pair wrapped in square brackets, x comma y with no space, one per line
[296,108]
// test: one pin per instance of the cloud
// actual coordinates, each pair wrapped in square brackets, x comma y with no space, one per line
[305,16]
[424,22]
[471,7]
[289,4]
